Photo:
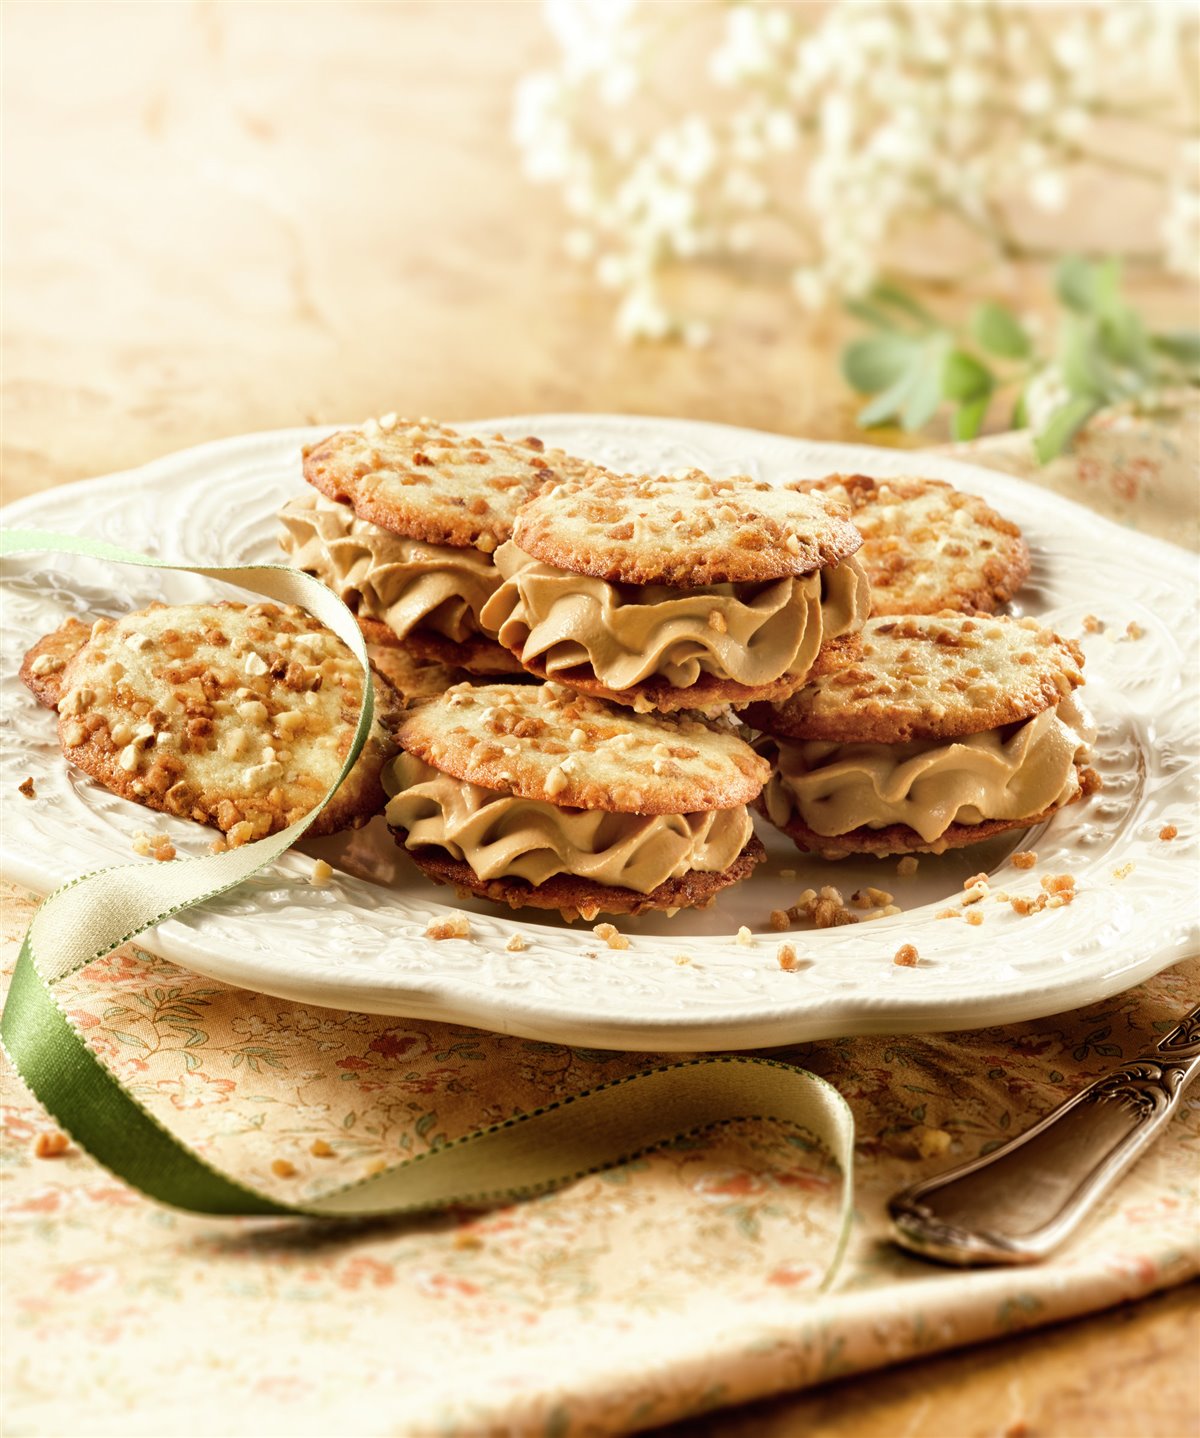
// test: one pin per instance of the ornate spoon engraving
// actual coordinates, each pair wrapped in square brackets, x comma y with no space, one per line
[1017,1203]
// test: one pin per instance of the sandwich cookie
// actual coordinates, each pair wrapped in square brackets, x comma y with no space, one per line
[233,715]
[927,546]
[534,796]
[948,730]
[404,524]
[681,592]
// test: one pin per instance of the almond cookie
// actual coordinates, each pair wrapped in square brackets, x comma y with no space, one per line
[927,546]
[404,524]
[426,481]
[233,715]
[679,593]
[532,795]
[948,730]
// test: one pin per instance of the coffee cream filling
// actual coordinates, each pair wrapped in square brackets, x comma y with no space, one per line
[1009,773]
[626,633]
[405,583]
[504,837]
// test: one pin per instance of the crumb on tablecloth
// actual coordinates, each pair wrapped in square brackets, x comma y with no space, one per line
[931,1142]
[26,787]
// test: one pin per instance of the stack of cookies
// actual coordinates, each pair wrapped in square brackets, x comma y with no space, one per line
[679,592]
[535,796]
[403,526]
[948,730]
[575,662]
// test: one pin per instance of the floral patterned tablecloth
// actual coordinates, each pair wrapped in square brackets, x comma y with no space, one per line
[678,1283]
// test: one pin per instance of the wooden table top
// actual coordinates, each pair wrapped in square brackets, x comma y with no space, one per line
[235,217]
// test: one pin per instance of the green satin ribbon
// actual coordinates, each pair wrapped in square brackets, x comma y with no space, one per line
[527,1154]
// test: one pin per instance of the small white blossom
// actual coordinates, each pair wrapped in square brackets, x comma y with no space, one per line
[1045,393]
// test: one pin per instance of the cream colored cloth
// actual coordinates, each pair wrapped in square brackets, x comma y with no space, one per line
[682,1282]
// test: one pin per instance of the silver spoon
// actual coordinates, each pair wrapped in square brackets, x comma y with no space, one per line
[1020,1201]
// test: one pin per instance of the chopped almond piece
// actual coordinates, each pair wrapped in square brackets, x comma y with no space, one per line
[458,926]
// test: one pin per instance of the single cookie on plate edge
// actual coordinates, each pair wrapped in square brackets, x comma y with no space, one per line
[533,796]
[404,523]
[233,715]
[948,730]
[927,546]
[679,592]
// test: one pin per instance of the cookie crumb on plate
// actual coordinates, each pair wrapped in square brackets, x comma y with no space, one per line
[458,926]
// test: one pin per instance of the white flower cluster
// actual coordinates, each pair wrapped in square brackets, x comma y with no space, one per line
[818,137]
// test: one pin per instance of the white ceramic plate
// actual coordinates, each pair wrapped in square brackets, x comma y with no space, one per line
[359,943]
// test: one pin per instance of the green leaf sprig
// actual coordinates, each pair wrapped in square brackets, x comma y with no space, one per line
[913,363]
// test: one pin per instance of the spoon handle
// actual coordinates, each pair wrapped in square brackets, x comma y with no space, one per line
[1017,1203]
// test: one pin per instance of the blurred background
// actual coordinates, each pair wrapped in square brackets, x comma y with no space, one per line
[222,217]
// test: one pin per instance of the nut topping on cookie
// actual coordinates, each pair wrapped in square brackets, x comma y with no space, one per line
[927,546]
[582,753]
[427,481]
[641,530]
[205,716]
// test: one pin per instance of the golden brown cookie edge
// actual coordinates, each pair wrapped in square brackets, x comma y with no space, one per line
[693,890]
[1003,573]
[62,643]
[900,839]
[541,536]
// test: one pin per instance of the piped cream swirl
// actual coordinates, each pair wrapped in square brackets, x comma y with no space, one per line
[1000,774]
[405,583]
[749,633]
[502,836]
